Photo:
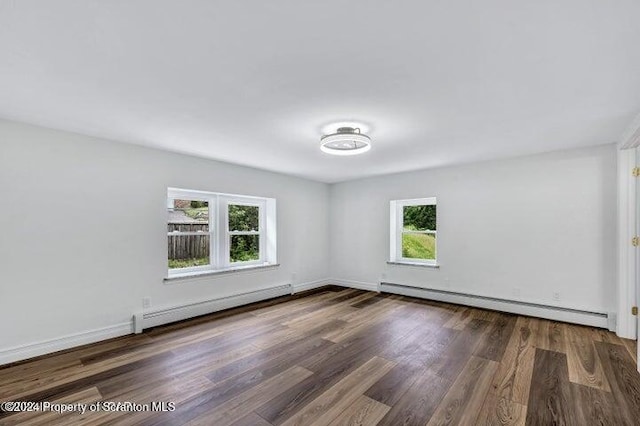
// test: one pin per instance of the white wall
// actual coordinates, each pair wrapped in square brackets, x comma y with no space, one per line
[534,225]
[83,230]
[83,236]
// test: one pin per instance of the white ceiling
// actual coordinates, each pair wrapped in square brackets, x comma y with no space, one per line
[436,82]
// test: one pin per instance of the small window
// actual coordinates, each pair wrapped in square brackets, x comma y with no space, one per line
[212,232]
[414,231]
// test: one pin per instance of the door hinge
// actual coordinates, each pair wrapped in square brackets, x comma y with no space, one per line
[636,171]
[634,310]
[635,241]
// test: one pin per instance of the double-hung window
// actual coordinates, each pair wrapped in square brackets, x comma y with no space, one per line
[208,232]
[244,226]
[413,227]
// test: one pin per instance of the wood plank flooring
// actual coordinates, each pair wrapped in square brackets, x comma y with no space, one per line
[340,357]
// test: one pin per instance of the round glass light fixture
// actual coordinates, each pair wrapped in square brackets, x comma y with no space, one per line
[345,141]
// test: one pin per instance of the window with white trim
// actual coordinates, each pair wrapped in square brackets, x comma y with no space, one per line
[413,227]
[209,232]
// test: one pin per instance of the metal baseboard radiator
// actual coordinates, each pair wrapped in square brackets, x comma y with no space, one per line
[143,320]
[576,316]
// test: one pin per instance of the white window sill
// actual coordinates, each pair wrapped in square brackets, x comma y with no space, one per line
[232,270]
[421,265]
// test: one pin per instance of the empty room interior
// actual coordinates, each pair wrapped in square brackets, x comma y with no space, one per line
[319,213]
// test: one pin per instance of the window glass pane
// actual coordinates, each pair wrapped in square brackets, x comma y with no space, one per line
[188,216]
[419,218]
[245,248]
[188,250]
[243,218]
[418,246]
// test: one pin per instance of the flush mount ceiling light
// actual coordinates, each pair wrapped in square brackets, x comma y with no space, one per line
[345,141]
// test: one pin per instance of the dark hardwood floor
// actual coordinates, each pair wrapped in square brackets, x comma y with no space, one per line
[341,357]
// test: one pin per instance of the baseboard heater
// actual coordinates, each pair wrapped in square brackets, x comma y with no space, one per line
[576,316]
[143,320]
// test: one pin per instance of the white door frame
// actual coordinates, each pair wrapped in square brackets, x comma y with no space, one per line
[628,228]
[627,325]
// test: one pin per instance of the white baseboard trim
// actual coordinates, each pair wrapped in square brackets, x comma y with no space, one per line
[30,350]
[178,313]
[612,321]
[143,320]
[297,288]
[360,285]
[575,316]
